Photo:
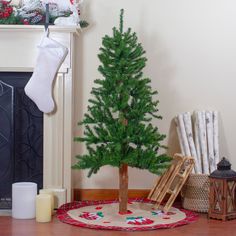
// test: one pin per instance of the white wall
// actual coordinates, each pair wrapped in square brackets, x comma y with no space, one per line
[191,51]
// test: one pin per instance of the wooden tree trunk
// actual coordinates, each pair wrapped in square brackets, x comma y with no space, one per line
[123,191]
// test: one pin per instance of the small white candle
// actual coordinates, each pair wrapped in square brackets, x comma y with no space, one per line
[50,192]
[60,197]
[43,208]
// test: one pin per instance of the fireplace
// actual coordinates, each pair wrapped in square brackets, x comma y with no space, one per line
[21,136]
[18,47]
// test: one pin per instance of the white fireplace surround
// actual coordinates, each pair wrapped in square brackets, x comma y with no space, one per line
[18,47]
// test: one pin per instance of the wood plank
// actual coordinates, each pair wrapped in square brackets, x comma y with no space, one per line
[203,226]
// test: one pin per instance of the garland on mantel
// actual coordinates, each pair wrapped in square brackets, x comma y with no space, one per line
[12,14]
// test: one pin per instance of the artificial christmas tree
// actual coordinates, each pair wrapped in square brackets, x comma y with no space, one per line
[118,129]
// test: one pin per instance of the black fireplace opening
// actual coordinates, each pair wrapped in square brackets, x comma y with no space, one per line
[21,136]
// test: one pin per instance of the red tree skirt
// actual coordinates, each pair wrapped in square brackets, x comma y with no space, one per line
[104,215]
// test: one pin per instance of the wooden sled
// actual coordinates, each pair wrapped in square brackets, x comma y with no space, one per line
[171,182]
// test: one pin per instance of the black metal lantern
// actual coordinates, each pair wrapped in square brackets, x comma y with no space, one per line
[222,197]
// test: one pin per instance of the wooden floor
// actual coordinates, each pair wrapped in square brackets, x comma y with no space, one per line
[11,227]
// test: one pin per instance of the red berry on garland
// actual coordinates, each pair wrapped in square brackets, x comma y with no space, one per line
[9,10]
[25,22]
[6,14]
[4,3]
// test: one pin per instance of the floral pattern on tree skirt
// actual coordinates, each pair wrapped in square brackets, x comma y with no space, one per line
[91,215]
[104,215]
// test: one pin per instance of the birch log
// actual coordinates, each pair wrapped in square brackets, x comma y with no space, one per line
[189,132]
[197,139]
[209,131]
[203,142]
[216,138]
[179,136]
[184,135]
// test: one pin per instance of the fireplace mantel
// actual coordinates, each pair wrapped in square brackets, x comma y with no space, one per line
[21,41]
[18,47]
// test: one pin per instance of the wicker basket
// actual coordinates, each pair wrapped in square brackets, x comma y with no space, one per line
[195,193]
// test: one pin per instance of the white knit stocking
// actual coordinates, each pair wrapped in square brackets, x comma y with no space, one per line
[51,55]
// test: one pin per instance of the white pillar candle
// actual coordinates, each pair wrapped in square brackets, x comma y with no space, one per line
[50,192]
[60,197]
[43,208]
[23,200]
